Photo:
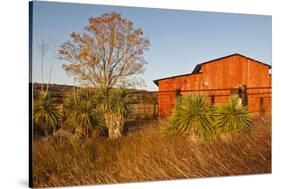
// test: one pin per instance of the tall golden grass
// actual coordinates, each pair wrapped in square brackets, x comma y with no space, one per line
[147,155]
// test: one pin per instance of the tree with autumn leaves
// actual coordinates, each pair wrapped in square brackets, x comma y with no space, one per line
[107,56]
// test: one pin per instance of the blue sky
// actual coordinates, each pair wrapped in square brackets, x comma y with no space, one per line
[179,39]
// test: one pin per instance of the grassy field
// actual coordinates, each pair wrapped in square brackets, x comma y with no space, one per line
[147,155]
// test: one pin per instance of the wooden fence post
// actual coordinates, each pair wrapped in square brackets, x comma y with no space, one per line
[212,99]
[155,116]
[244,95]
[178,92]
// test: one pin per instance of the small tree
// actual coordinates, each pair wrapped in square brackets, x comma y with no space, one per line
[108,55]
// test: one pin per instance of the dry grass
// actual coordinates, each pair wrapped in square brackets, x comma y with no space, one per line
[147,155]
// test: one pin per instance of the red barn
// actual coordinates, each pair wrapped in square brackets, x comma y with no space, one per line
[218,79]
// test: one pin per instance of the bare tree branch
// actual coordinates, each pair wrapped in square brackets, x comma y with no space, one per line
[109,51]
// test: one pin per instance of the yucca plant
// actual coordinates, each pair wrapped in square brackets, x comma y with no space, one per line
[115,104]
[193,115]
[45,112]
[120,102]
[232,117]
[80,110]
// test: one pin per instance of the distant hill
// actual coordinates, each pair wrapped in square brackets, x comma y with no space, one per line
[53,88]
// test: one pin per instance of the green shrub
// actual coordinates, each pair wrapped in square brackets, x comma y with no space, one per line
[117,100]
[193,115]
[120,102]
[45,112]
[232,117]
[116,106]
[81,112]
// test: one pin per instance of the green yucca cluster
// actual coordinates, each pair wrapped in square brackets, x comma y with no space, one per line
[80,108]
[115,106]
[46,114]
[120,102]
[193,115]
[232,117]
[84,110]
[117,100]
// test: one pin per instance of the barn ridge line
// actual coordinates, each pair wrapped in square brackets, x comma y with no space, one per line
[198,66]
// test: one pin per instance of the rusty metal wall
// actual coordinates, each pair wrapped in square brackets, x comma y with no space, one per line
[217,78]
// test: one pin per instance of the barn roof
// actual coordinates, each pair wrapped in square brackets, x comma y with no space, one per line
[198,67]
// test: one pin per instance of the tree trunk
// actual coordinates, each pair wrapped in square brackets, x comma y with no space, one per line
[114,123]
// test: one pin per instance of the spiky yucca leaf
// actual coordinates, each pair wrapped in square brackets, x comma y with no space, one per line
[115,103]
[80,110]
[232,117]
[193,115]
[45,113]
[120,102]
[117,100]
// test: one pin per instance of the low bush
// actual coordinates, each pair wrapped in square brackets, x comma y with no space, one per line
[232,117]
[46,114]
[81,112]
[192,115]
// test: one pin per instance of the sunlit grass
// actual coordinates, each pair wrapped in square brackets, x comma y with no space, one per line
[147,155]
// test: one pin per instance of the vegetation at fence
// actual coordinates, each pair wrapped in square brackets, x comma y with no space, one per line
[148,155]
[232,117]
[46,114]
[195,116]
[81,111]
[87,109]
[115,107]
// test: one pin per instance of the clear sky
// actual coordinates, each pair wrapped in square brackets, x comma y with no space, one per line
[179,39]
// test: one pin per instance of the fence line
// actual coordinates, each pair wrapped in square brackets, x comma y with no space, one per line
[148,104]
